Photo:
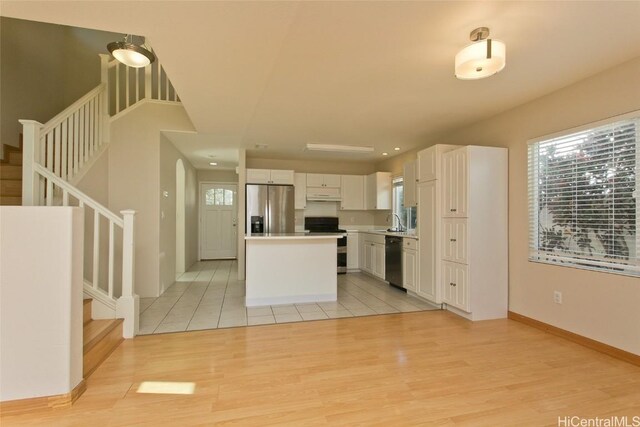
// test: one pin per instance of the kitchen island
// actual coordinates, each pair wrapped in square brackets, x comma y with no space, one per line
[291,268]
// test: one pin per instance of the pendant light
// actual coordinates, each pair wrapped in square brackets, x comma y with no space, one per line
[131,54]
[483,58]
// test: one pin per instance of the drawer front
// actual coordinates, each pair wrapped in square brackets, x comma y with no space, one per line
[454,240]
[410,244]
[374,238]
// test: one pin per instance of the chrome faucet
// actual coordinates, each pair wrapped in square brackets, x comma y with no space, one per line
[400,226]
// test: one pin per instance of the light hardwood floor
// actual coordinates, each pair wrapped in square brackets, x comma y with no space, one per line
[422,368]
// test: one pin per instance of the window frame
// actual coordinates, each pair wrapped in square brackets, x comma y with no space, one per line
[410,212]
[534,254]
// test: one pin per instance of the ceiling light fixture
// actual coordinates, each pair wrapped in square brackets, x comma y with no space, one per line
[213,163]
[131,54]
[340,148]
[397,148]
[483,58]
[385,154]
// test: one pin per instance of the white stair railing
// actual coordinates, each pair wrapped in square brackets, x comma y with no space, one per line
[129,85]
[117,292]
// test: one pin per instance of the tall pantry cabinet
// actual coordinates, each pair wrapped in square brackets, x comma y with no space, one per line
[429,194]
[474,219]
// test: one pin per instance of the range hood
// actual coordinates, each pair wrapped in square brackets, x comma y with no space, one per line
[323,194]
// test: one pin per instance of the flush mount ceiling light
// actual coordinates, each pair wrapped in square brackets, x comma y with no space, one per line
[213,163]
[483,58]
[131,54]
[397,148]
[385,154]
[339,148]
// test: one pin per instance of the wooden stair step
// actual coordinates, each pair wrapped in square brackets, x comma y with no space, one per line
[86,311]
[10,200]
[8,171]
[11,187]
[101,337]
[15,158]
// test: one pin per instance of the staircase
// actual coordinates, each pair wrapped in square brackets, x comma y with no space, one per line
[11,176]
[100,339]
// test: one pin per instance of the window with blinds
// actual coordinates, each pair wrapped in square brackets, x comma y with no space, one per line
[582,197]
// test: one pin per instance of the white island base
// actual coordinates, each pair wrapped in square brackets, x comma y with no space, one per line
[288,269]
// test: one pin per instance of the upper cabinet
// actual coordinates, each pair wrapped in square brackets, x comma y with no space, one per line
[428,163]
[455,179]
[269,176]
[409,183]
[378,191]
[300,184]
[323,180]
[352,192]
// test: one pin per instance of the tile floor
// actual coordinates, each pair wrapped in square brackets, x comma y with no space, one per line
[210,296]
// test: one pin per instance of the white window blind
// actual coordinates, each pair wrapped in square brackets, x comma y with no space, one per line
[582,198]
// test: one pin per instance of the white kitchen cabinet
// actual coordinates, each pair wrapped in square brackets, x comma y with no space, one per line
[409,184]
[428,163]
[428,283]
[270,176]
[378,191]
[323,180]
[455,175]
[455,284]
[454,240]
[409,264]
[353,246]
[352,192]
[374,254]
[300,185]
[474,256]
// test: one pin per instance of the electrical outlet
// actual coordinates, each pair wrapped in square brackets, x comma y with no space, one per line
[557,297]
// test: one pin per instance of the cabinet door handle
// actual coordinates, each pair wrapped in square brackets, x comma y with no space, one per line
[452,284]
[453,210]
[452,240]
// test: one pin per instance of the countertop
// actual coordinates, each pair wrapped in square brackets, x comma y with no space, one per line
[291,236]
[386,233]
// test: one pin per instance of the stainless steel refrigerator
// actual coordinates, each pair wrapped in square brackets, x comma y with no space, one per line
[270,209]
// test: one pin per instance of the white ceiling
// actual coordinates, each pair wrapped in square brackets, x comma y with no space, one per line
[353,73]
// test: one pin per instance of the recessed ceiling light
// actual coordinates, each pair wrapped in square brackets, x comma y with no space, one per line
[213,163]
[211,156]
[261,146]
[385,154]
[397,148]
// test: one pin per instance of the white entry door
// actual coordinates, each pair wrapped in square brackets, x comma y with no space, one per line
[218,220]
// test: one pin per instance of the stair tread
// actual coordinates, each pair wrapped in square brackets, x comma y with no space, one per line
[95,330]
[10,200]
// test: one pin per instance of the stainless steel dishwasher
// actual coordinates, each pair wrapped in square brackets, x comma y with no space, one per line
[393,260]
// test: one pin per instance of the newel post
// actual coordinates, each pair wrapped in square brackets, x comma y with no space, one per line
[128,305]
[30,149]
[104,79]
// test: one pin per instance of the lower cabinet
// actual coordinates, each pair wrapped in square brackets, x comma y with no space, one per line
[373,254]
[353,249]
[455,285]
[409,264]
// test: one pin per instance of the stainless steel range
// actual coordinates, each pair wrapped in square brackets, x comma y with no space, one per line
[328,224]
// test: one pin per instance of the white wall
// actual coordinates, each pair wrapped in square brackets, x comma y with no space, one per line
[169,155]
[217,176]
[70,57]
[134,172]
[600,306]
[40,308]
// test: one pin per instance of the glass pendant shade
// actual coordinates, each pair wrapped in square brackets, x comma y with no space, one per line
[130,54]
[481,59]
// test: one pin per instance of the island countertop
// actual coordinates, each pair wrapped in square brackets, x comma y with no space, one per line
[290,236]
